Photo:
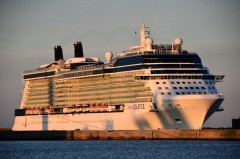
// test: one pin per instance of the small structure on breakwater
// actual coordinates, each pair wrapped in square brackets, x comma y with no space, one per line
[236,123]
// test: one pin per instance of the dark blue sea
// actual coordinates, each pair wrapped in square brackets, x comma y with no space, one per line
[119,149]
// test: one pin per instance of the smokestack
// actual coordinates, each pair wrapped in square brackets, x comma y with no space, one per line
[78,50]
[58,52]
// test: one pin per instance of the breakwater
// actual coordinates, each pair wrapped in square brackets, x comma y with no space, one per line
[204,134]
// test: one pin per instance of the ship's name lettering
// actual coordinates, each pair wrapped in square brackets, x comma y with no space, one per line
[136,106]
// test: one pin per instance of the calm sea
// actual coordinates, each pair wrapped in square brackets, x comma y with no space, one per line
[119,149]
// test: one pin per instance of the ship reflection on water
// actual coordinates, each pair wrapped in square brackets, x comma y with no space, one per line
[120,149]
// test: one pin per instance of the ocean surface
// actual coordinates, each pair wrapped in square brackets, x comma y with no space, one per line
[119,149]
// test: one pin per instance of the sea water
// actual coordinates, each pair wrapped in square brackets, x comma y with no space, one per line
[119,149]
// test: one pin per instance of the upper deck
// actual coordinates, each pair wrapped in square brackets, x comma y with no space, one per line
[162,58]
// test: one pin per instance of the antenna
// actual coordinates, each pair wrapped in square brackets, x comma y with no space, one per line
[144,33]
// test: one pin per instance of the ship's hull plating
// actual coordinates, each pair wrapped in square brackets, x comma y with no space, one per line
[187,112]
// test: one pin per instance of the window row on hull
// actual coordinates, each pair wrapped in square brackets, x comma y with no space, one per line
[179,72]
[189,58]
[190,93]
[152,77]
[122,69]
[136,91]
[36,75]
[112,101]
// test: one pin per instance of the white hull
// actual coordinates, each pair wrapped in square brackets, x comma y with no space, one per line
[189,115]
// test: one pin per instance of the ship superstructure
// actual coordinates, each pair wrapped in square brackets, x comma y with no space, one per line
[150,86]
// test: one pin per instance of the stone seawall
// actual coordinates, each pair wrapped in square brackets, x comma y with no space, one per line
[205,134]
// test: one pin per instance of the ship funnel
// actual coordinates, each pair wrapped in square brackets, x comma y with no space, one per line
[78,49]
[58,53]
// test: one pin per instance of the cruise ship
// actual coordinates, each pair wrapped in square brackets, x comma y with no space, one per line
[147,87]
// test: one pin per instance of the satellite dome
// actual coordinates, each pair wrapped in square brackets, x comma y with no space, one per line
[108,56]
[178,41]
[149,41]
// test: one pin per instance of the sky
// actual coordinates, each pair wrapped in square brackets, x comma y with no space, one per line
[29,29]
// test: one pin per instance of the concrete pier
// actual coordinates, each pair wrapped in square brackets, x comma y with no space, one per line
[205,134]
